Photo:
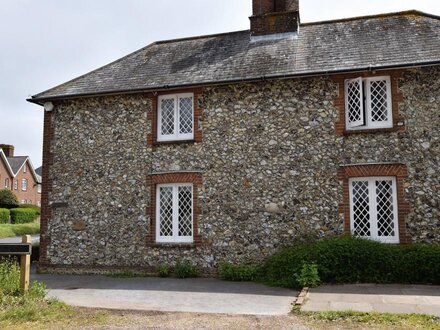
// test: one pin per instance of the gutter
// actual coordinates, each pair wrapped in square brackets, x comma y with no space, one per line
[42,100]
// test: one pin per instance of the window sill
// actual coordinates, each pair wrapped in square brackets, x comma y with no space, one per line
[374,130]
[158,143]
[173,245]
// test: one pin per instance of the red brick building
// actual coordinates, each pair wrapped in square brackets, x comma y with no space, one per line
[17,174]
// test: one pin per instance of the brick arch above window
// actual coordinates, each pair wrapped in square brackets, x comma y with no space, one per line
[398,123]
[153,180]
[397,171]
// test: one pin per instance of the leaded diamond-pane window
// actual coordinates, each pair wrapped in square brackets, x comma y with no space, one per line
[175,117]
[174,213]
[368,103]
[373,208]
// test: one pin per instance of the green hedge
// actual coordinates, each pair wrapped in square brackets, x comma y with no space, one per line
[4,215]
[21,215]
[230,272]
[352,260]
[31,206]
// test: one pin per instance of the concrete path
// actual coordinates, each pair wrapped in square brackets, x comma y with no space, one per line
[169,294]
[421,299]
[35,239]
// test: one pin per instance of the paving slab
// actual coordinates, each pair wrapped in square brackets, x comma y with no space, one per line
[420,299]
[169,294]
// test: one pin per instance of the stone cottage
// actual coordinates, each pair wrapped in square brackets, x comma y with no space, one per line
[226,147]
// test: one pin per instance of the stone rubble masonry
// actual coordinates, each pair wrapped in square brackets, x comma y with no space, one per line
[269,163]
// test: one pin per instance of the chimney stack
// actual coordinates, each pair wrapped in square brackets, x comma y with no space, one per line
[274,17]
[7,149]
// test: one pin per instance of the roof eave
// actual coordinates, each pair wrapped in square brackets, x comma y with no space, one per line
[42,100]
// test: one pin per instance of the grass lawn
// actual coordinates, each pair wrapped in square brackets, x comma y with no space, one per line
[371,320]
[10,230]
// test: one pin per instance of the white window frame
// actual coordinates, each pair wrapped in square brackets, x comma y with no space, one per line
[39,188]
[373,207]
[175,238]
[365,90]
[24,184]
[15,184]
[176,136]
[24,168]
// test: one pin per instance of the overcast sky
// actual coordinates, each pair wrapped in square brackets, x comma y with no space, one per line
[46,42]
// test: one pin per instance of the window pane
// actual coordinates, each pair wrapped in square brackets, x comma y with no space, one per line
[185,211]
[379,100]
[385,208]
[166,211]
[167,115]
[361,209]
[186,115]
[355,103]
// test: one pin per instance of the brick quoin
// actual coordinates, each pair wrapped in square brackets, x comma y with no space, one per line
[396,95]
[198,117]
[399,171]
[177,177]
[46,212]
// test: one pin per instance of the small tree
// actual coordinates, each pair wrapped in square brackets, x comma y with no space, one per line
[8,199]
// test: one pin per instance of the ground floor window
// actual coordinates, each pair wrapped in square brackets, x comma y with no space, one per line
[373,208]
[174,218]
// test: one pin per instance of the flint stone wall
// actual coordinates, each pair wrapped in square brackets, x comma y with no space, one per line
[269,159]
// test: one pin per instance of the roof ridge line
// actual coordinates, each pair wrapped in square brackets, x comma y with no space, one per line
[201,36]
[381,15]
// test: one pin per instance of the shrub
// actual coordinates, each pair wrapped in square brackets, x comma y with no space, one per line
[31,206]
[186,270]
[231,272]
[164,270]
[21,215]
[352,260]
[8,199]
[308,276]
[4,215]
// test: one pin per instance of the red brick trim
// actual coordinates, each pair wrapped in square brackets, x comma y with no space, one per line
[198,117]
[177,177]
[399,171]
[46,212]
[396,95]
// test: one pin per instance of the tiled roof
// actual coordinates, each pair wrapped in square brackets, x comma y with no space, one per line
[16,162]
[384,41]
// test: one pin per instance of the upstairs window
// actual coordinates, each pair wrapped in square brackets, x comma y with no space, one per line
[373,208]
[7,183]
[175,117]
[15,184]
[24,168]
[39,188]
[368,103]
[174,218]
[24,184]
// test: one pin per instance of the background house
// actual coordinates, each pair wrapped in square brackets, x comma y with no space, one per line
[227,147]
[17,174]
